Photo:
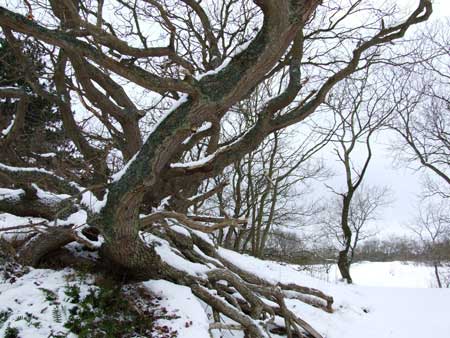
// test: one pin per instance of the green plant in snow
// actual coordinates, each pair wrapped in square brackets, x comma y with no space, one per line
[50,296]
[11,332]
[106,313]
[30,319]
[4,315]
[56,313]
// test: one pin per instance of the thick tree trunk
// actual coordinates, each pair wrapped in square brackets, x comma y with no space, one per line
[123,249]
[131,258]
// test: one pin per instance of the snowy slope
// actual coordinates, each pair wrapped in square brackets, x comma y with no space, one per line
[192,321]
[363,311]
[23,303]
[360,311]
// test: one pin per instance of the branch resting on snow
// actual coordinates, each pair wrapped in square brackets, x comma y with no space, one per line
[241,295]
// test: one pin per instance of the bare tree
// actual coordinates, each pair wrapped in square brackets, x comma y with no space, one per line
[266,187]
[424,136]
[360,110]
[422,93]
[286,246]
[365,208]
[119,68]
[432,228]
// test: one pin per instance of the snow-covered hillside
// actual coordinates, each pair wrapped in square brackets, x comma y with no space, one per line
[365,311]
[359,311]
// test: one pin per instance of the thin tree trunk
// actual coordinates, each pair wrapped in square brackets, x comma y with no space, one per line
[343,260]
[436,273]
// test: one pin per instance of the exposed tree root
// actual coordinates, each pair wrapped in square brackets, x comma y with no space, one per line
[43,243]
[255,305]
[250,301]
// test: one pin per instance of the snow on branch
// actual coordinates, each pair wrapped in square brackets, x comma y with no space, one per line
[193,222]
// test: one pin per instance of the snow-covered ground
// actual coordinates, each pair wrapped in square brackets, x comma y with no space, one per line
[32,302]
[387,274]
[366,311]
[405,309]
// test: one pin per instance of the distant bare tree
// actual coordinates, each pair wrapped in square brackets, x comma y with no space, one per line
[422,94]
[365,208]
[360,110]
[432,227]
[285,246]
[266,188]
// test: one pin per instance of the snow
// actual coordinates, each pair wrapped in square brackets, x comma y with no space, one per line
[171,257]
[200,253]
[181,230]
[383,312]
[205,126]
[93,244]
[271,271]
[213,71]
[11,194]
[49,197]
[118,175]
[164,203]
[203,236]
[207,159]
[225,63]
[46,196]
[26,169]
[395,274]
[192,321]
[6,131]
[80,250]
[360,311]
[46,155]
[10,88]
[26,296]
[195,164]
[9,221]
[210,158]
[77,219]
[89,200]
